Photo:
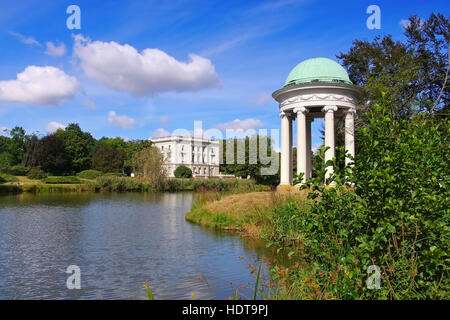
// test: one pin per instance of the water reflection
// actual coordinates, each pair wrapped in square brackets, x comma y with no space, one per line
[118,241]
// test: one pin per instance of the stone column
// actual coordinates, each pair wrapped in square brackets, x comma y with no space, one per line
[329,136]
[349,134]
[291,156]
[308,147]
[301,141]
[284,170]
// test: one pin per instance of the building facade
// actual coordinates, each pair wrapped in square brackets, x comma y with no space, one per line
[198,154]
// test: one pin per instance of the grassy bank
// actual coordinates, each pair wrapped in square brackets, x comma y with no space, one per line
[124,184]
[248,213]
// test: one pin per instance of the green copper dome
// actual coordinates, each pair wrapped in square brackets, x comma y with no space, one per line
[317,70]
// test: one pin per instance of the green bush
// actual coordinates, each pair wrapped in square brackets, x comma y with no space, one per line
[183,172]
[119,184]
[89,174]
[62,180]
[18,170]
[5,177]
[36,174]
[389,210]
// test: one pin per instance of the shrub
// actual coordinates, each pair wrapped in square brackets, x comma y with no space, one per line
[183,172]
[62,180]
[389,210]
[5,177]
[89,174]
[36,173]
[18,170]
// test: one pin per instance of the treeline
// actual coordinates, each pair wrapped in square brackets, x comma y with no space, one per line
[67,152]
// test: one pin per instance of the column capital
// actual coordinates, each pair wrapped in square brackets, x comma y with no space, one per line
[301,109]
[329,109]
[351,110]
[283,114]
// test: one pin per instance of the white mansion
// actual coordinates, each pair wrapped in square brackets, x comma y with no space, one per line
[198,154]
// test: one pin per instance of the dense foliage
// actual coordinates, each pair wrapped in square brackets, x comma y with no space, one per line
[36,174]
[182,172]
[72,151]
[108,159]
[89,174]
[148,164]
[390,210]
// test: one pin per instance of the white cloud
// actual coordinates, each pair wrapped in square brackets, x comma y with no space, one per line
[24,39]
[39,85]
[123,122]
[237,124]
[55,50]
[148,72]
[52,126]
[160,132]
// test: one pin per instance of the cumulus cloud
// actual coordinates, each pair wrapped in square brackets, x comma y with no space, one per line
[237,124]
[39,85]
[148,72]
[55,50]
[25,39]
[160,132]
[52,126]
[123,122]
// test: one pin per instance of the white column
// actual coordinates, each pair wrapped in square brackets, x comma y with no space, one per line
[284,170]
[291,156]
[308,147]
[349,134]
[329,136]
[301,141]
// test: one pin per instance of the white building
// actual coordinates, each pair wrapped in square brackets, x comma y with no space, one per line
[315,88]
[200,155]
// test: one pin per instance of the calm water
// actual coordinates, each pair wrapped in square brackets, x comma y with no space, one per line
[118,241]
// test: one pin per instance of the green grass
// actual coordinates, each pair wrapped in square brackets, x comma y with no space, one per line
[62,180]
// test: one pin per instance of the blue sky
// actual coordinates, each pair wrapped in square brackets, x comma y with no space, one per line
[243,51]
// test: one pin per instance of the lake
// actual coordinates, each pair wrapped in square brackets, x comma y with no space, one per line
[118,241]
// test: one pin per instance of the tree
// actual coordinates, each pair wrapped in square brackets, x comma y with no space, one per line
[51,155]
[251,163]
[79,145]
[183,172]
[30,155]
[16,144]
[149,165]
[412,74]
[108,159]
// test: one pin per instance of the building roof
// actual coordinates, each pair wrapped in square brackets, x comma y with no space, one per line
[317,70]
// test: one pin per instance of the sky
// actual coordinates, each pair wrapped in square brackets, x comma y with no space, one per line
[141,69]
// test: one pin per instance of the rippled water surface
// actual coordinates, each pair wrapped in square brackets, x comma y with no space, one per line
[118,241]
